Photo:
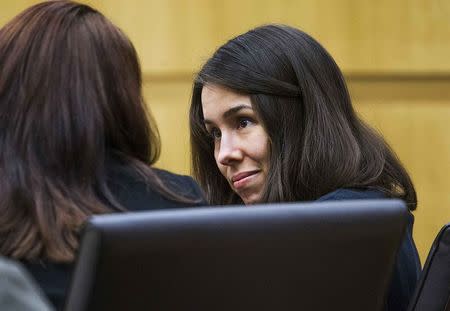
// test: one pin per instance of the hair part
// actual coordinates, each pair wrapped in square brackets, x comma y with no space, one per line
[317,142]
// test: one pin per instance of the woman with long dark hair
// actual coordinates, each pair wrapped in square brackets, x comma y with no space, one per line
[75,136]
[272,121]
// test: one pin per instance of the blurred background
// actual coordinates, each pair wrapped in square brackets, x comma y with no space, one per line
[395,55]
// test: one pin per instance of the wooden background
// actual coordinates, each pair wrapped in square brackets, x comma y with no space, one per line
[395,55]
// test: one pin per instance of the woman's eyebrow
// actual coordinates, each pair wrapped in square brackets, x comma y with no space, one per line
[230,112]
[235,110]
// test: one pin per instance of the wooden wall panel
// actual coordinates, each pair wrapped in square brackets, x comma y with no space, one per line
[175,36]
[8,9]
[413,116]
[170,35]
[363,35]
[169,104]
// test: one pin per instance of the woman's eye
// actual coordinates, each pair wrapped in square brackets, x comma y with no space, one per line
[215,133]
[244,122]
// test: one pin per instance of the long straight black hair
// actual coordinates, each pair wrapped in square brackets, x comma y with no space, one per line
[70,102]
[317,142]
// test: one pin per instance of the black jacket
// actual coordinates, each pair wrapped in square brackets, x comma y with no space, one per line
[407,265]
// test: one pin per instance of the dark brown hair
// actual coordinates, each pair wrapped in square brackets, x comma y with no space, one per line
[317,142]
[70,101]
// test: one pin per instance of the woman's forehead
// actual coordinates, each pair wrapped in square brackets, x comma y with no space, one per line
[218,101]
[218,93]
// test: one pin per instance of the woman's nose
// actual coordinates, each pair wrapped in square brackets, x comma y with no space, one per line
[230,150]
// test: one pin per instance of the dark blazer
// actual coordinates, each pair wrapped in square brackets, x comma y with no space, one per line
[134,195]
[407,266]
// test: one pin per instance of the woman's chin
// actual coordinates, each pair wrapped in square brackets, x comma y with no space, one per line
[251,199]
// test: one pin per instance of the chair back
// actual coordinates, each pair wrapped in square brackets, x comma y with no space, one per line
[433,289]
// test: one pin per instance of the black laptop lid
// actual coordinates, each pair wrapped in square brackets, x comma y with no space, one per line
[335,255]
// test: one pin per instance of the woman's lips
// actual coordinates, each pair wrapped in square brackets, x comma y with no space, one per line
[240,180]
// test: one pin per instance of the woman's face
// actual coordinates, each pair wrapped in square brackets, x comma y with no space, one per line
[241,145]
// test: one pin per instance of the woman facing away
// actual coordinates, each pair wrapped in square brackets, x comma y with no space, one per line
[272,121]
[75,137]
